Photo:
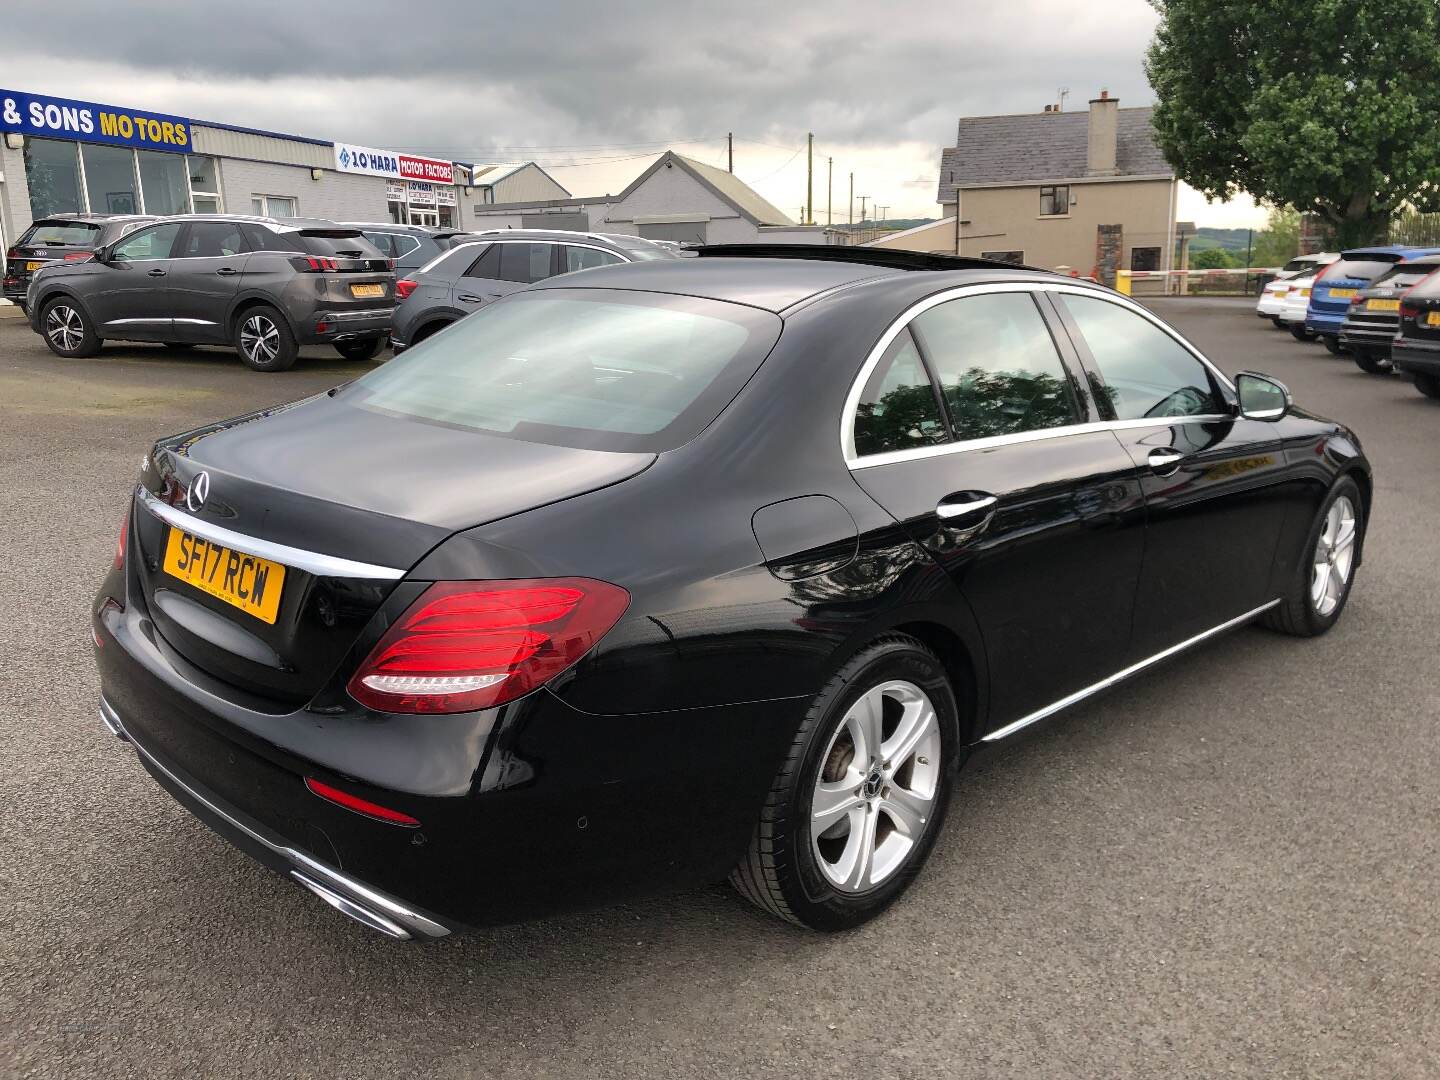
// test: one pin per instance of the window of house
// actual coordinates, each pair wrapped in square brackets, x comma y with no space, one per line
[898,409]
[164,182]
[1147,372]
[205,185]
[1145,258]
[110,179]
[997,366]
[1054,200]
[52,173]
[276,206]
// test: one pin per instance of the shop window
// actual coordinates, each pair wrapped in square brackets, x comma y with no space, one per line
[52,172]
[110,179]
[164,183]
[205,185]
[277,206]
[1145,258]
[1055,200]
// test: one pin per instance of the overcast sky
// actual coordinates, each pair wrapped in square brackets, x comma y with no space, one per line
[593,91]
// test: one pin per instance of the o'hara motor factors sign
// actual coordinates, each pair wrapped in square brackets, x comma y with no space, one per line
[371,162]
[40,116]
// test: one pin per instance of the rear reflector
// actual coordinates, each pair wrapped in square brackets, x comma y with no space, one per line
[80,256]
[466,645]
[359,805]
[404,287]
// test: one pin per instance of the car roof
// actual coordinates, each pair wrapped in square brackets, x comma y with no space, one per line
[774,284]
[98,219]
[1389,249]
[395,226]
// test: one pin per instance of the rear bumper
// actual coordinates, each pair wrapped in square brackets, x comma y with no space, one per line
[1327,323]
[342,326]
[1415,359]
[1370,338]
[1269,307]
[349,895]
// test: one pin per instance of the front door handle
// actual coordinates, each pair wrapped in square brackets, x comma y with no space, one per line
[965,504]
[157,272]
[1164,461]
[226,271]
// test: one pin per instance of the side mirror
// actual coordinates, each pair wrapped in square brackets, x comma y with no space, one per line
[1261,397]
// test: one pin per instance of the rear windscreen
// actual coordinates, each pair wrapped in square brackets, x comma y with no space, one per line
[1363,269]
[1296,266]
[341,243]
[589,368]
[83,233]
[1403,276]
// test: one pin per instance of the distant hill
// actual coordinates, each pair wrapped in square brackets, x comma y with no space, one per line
[1231,240]
[894,224]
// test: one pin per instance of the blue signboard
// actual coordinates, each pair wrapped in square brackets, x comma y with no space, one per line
[85,121]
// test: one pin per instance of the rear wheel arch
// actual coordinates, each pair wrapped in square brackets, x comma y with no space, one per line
[246,304]
[432,327]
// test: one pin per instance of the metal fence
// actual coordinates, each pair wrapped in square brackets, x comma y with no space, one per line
[1415,229]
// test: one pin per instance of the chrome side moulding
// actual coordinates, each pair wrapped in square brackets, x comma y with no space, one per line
[1120,676]
[312,562]
[361,902]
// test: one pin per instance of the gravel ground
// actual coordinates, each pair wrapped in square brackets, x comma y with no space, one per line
[1227,867]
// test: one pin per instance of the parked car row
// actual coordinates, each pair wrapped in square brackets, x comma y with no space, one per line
[1380,306]
[267,286]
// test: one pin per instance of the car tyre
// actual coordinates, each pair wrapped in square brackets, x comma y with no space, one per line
[1321,583]
[881,816]
[1332,344]
[360,350]
[264,340]
[1299,333]
[1370,363]
[67,329]
[1275,322]
[1429,385]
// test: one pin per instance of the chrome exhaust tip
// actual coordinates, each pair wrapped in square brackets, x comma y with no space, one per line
[346,906]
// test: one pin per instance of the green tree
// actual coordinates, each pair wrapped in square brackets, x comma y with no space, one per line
[1328,107]
[1213,259]
[1280,242]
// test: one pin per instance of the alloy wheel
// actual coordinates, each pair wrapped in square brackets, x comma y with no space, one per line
[64,328]
[1334,556]
[259,340]
[877,786]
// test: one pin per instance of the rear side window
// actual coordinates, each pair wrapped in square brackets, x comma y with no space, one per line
[997,366]
[524,263]
[68,233]
[1146,372]
[1365,269]
[898,409]
[582,258]
[487,265]
[597,369]
[212,239]
[384,242]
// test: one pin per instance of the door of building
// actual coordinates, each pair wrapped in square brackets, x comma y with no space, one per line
[424,217]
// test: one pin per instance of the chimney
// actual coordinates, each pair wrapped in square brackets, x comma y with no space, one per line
[1104,118]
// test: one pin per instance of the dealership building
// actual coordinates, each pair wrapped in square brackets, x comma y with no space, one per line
[63,156]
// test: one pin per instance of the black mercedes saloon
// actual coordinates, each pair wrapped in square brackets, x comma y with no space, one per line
[653,574]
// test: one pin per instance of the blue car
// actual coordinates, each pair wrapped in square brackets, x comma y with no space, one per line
[1333,290]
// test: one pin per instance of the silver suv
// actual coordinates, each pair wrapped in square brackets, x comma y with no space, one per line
[263,285]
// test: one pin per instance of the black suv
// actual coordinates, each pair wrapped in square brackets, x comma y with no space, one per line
[264,285]
[490,264]
[58,238]
[411,246]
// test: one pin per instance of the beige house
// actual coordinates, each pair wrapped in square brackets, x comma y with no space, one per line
[1078,191]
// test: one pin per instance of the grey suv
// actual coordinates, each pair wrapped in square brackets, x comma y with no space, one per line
[411,246]
[264,285]
[492,264]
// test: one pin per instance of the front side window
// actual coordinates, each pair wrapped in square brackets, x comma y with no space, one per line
[997,366]
[164,182]
[582,258]
[1054,200]
[110,179]
[212,240]
[524,263]
[52,173]
[1146,372]
[148,244]
[898,408]
[590,368]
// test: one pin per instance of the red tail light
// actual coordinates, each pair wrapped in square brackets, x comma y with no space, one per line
[311,264]
[80,256]
[404,287]
[467,645]
[359,805]
[120,544]
[13,253]
[1356,299]
[1408,312]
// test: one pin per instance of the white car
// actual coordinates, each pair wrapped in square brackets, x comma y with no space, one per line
[1273,297]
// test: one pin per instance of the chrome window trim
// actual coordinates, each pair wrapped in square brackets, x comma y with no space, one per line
[852,400]
[1125,673]
[312,562]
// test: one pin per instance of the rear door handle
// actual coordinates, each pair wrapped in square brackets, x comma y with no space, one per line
[157,272]
[471,298]
[1164,461]
[965,504]
[226,271]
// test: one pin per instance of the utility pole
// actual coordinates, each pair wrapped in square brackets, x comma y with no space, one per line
[850,217]
[810,178]
[862,208]
[880,216]
[829,188]
[730,149]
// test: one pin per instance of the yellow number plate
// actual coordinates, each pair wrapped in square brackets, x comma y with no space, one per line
[247,582]
[1432,318]
[1343,294]
[33,265]
[1382,305]
[367,290]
